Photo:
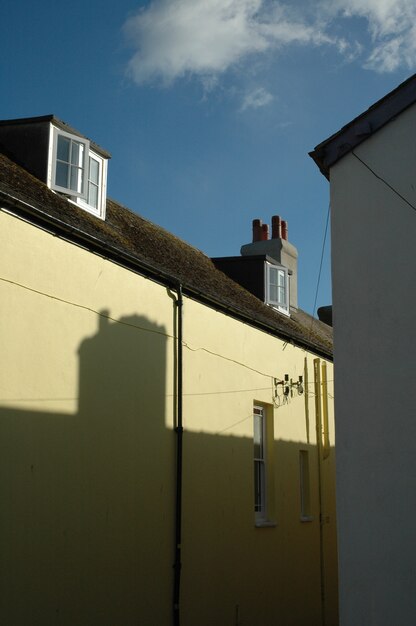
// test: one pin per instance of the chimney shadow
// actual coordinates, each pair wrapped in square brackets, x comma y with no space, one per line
[75,488]
[87,524]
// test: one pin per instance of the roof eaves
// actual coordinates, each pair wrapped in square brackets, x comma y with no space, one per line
[328,152]
[135,263]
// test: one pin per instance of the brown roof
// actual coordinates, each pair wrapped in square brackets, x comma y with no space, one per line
[327,153]
[141,245]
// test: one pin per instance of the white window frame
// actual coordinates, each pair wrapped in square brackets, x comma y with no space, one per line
[305,487]
[80,199]
[260,464]
[99,210]
[281,305]
[66,190]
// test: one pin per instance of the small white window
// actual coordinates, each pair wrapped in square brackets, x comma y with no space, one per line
[277,287]
[259,462]
[78,171]
[70,158]
[304,483]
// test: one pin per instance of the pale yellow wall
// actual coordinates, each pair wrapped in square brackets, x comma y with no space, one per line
[87,459]
[228,367]
[82,427]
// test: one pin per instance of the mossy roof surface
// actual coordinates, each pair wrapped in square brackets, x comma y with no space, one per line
[127,234]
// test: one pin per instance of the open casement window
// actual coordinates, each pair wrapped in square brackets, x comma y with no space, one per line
[78,172]
[94,201]
[70,161]
[277,287]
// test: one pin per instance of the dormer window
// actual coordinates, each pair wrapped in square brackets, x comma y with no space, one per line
[58,155]
[277,287]
[70,157]
[78,171]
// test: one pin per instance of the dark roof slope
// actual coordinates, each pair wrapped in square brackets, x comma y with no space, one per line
[327,153]
[131,240]
[27,121]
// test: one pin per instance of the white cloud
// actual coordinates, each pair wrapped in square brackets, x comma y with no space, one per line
[260,97]
[174,38]
[205,38]
[391,25]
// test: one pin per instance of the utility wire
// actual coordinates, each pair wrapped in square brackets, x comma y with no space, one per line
[151,330]
[384,181]
[85,308]
[320,267]
[135,326]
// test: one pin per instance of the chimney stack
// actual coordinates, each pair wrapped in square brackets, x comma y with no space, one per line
[278,248]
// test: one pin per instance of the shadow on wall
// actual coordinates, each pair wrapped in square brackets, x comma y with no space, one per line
[75,494]
[87,522]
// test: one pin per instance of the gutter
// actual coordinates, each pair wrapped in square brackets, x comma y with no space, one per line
[125,259]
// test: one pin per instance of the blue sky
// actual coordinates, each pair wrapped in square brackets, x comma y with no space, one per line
[210,107]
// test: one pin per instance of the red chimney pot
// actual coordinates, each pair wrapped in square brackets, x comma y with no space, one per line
[284,229]
[276,227]
[257,224]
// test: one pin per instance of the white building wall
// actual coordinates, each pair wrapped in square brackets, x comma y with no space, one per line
[374,298]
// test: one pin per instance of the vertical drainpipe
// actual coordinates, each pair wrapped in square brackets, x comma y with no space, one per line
[306,396]
[179,457]
[326,448]
[318,419]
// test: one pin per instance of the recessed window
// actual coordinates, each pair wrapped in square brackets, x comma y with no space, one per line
[304,480]
[259,462]
[263,439]
[78,172]
[277,287]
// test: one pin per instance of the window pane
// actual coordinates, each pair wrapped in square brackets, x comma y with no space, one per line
[273,293]
[258,437]
[258,486]
[76,179]
[61,175]
[259,460]
[273,276]
[77,153]
[63,148]
[304,483]
[94,170]
[282,289]
[92,195]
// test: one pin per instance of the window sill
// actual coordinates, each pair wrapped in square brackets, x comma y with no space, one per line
[306,518]
[265,523]
[278,308]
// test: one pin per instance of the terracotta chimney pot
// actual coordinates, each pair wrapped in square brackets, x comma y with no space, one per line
[276,227]
[257,225]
